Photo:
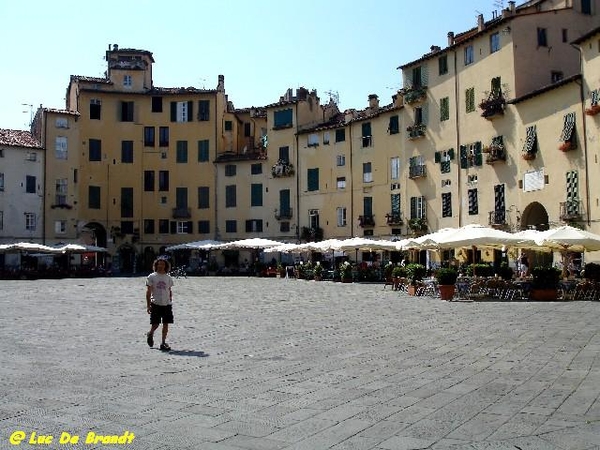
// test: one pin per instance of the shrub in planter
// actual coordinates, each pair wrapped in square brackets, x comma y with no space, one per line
[446,276]
[399,272]
[505,272]
[545,277]
[591,271]
[480,270]
[415,272]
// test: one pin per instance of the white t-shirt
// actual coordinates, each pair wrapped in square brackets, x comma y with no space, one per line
[161,286]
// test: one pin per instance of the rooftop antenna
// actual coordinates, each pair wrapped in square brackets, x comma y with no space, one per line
[203,82]
[30,112]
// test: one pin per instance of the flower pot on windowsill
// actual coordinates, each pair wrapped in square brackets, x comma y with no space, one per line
[566,146]
[592,110]
[528,156]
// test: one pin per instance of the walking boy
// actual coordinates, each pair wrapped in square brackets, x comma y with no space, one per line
[159,300]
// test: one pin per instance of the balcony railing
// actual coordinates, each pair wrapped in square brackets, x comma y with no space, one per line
[417,171]
[394,218]
[283,214]
[413,95]
[418,225]
[182,213]
[282,169]
[248,155]
[416,131]
[495,153]
[570,210]
[366,221]
[497,219]
[493,106]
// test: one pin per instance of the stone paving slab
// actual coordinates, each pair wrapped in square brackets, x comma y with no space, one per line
[274,364]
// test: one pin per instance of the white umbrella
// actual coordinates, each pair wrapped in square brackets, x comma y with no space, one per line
[206,244]
[252,243]
[28,247]
[431,241]
[360,243]
[476,235]
[80,248]
[567,238]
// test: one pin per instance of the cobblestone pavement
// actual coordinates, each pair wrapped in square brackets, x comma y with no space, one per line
[269,364]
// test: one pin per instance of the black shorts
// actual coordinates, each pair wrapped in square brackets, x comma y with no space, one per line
[159,312]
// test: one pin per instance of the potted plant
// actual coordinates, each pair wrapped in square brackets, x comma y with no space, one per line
[505,271]
[345,272]
[446,277]
[593,110]
[318,271]
[398,273]
[545,283]
[415,273]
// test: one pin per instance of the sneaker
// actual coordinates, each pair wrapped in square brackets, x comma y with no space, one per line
[165,347]
[150,339]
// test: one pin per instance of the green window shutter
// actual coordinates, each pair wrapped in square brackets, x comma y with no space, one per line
[394,126]
[438,157]
[203,155]
[451,153]
[313,179]
[173,227]
[173,111]
[190,112]
[256,194]
[366,129]
[478,154]
[464,162]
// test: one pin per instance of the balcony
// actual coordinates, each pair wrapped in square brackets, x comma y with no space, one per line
[366,221]
[182,213]
[495,153]
[418,225]
[570,210]
[283,214]
[417,171]
[282,169]
[244,155]
[416,131]
[414,94]
[493,106]
[497,219]
[393,218]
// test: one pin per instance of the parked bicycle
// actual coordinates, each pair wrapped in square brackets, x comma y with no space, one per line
[177,272]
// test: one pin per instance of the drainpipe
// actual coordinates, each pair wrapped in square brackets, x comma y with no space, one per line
[297,151]
[456,114]
[352,181]
[585,145]
[216,177]
[46,189]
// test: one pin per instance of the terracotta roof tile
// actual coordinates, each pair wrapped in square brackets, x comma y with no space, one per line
[18,138]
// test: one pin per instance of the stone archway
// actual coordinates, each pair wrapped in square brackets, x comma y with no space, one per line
[94,233]
[535,216]
[126,259]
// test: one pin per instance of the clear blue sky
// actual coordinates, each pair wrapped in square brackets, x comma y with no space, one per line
[262,47]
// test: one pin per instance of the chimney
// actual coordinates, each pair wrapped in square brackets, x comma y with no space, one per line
[221,83]
[511,5]
[373,101]
[435,48]
[450,38]
[480,23]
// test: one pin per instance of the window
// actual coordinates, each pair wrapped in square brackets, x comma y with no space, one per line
[312,179]
[313,218]
[394,125]
[30,221]
[230,170]
[446,183]
[230,196]
[586,7]
[395,168]
[340,160]
[228,125]
[163,226]
[470,100]
[61,122]
[256,194]
[326,138]
[417,208]
[203,197]
[254,226]
[95,150]
[184,227]
[471,155]
[283,119]
[94,197]
[148,180]
[182,111]
[469,55]
[60,147]
[60,226]
[417,77]
[163,136]
[247,129]
[204,226]
[231,226]
[395,205]
[542,38]
[157,104]
[494,42]
[256,169]
[126,111]
[472,179]
[95,109]
[1,181]
[368,206]
[443,65]
[340,135]
[446,204]
[313,140]
[341,182]
[126,202]
[341,217]
[473,205]
[127,151]
[163,180]
[127,81]
[149,136]
[367,173]
[61,190]
[284,154]
[181,198]
[203,154]
[30,184]
[148,226]
[366,134]
[203,110]
[182,152]
[444,109]
[565,35]
[284,227]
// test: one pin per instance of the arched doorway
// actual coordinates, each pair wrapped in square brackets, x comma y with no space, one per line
[126,259]
[535,217]
[94,233]
[148,258]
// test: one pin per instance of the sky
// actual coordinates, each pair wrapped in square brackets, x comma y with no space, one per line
[346,48]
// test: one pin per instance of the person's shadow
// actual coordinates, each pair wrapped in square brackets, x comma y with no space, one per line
[196,353]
